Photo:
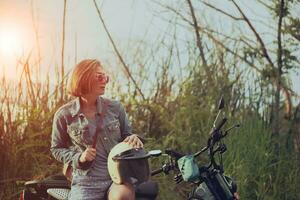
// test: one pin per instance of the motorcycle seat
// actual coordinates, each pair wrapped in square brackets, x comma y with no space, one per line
[147,189]
[59,193]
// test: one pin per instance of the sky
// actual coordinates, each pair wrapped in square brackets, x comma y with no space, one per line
[129,21]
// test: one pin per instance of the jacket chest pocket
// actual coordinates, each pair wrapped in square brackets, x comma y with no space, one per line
[114,131]
[79,135]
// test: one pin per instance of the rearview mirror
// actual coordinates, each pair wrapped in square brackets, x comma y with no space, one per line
[155,153]
[221,103]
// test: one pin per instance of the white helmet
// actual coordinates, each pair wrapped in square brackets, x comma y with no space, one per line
[128,164]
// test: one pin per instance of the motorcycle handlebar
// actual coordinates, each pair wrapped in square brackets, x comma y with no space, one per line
[157,171]
[173,153]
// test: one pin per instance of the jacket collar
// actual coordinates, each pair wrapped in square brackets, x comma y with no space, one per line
[75,107]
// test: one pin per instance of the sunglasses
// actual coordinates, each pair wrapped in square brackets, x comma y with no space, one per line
[103,78]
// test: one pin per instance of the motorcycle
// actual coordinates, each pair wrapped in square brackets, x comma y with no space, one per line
[209,181]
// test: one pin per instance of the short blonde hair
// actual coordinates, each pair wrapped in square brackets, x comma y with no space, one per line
[80,83]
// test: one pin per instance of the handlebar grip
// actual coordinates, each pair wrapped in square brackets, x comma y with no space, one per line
[219,126]
[174,153]
[157,171]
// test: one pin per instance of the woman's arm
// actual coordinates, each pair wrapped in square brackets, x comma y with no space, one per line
[126,133]
[125,126]
[60,143]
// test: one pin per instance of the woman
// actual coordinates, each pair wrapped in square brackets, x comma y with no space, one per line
[84,131]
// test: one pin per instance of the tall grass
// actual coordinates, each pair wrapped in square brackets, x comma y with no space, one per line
[25,126]
[260,174]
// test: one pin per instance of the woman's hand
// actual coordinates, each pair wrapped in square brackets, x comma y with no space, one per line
[236,196]
[134,141]
[88,155]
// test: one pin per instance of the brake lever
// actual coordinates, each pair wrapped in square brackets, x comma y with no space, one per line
[166,168]
[221,148]
[178,178]
[229,129]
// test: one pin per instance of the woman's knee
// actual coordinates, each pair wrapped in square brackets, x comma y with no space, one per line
[121,192]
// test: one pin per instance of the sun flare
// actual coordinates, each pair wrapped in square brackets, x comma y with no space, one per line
[10,42]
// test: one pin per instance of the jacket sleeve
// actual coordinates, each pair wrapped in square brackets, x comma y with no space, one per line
[124,123]
[60,143]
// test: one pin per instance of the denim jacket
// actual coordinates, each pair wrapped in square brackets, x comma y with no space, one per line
[70,136]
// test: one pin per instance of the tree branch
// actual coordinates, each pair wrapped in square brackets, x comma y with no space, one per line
[198,38]
[221,11]
[260,41]
[216,41]
[117,51]
[276,122]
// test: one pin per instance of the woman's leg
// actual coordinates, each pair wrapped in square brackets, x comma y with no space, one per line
[89,188]
[121,192]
